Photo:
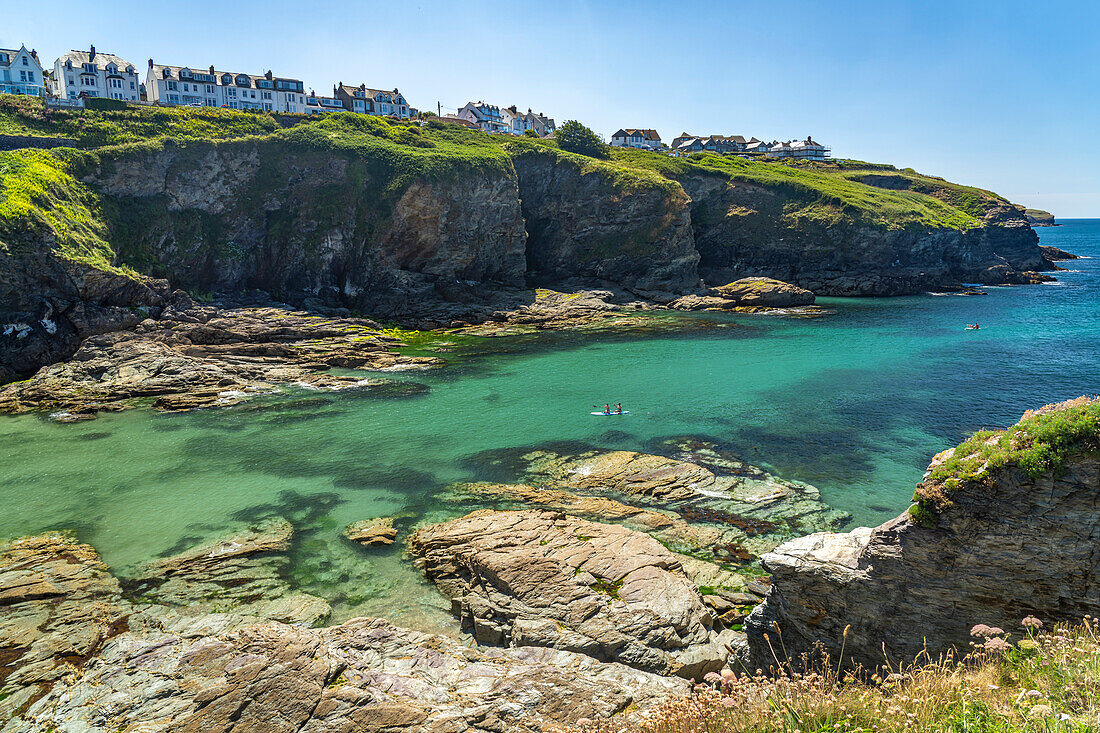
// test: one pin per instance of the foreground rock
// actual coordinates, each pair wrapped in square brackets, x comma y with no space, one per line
[1053,254]
[543,578]
[202,356]
[74,655]
[748,293]
[986,543]
[244,572]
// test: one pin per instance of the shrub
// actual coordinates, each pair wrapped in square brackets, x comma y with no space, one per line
[530,133]
[574,137]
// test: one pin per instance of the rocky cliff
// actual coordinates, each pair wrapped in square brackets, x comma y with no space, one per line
[751,229]
[398,220]
[1004,526]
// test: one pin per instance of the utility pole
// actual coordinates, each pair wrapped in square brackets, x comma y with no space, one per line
[438,109]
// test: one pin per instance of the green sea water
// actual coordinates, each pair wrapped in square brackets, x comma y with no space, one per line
[855,401]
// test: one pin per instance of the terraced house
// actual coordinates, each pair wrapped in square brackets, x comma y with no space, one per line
[95,74]
[636,138]
[799,149]
[519,122]
[364,100]
[20,72]
[197,87]
[487,117]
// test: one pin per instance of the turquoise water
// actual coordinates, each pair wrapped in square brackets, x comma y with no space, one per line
[855,402]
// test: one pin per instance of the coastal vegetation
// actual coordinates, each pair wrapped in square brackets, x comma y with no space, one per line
[1032,680]
[398,153]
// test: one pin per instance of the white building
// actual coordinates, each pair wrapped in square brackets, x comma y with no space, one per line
[20,73]
[364,100]
[634,138]
[799,150]
[196,87]
[316,105]
[95,74]
[519,122]
[487,117]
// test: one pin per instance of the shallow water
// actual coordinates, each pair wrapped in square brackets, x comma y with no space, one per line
[855,402]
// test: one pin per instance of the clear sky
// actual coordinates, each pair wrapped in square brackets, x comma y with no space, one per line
[1002,95]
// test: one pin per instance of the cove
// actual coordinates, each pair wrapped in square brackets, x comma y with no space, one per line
[855,401]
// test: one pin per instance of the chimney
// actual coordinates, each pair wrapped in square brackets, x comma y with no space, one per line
[211,69]
[34,54]
[91,54]
[150,63]
[268,75]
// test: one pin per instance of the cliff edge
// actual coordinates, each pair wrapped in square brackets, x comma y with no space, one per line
[1003,526]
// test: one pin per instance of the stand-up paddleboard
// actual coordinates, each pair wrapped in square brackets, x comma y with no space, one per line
[609,414]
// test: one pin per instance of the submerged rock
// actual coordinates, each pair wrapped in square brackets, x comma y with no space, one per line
[372,532]
[992,538]
[75,656]
[243,573]
[544,578]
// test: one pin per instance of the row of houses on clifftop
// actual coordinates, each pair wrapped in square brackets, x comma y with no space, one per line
[647,139]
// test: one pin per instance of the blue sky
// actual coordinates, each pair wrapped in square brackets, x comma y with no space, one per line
[1003,95]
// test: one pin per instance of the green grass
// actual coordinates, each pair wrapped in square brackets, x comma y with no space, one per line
[1038,445]
[829,193]
[38,194]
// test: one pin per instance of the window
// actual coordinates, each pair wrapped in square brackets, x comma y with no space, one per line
[131,86]
[25,62]
[171,86]
[72,83]
[90,68]
[209,88]
[173,99]
[267,95]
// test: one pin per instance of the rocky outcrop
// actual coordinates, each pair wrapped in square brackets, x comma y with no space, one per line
[1053,254]
[1040,218]
[994,537]
[748,293]
[543,578]
[582,223]
[741,229]
[75,654]
[48,305]
[204,356]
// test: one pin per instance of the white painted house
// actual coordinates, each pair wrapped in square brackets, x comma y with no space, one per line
[519,122]
[198,87]
[95,74]
[21,73]
[487,117]
[634,138]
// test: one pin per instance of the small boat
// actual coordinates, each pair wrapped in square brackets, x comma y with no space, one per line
[972,327]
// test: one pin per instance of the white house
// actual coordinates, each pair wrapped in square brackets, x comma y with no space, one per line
[197,87]
[487,117]
[95,74]
[316,104]
[519,122]
[632,138]
[20,72]
[799,150]
[364,100]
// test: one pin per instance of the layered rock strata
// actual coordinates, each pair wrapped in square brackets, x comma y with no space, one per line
[543,578]
[75,654]
[993,537]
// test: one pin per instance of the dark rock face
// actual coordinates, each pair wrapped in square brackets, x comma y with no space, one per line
[48,305]
[579,224]
[740,231]
[1003,547]
[299,224]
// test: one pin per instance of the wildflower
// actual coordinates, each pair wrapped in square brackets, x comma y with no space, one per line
[983,631]
[1040,711]
[1030,622]
[712,677]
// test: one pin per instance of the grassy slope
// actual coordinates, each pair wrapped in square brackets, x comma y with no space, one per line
[40,190]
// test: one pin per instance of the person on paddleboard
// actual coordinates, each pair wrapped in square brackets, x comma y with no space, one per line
[607,409]
[619,409]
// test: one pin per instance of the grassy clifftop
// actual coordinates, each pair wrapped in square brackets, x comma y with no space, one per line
[38,188]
